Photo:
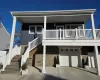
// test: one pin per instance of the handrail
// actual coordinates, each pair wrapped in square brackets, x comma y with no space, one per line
[35,42]
[25,56]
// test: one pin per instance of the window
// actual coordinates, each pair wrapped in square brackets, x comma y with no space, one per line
[39,29]
[71,49]
[76,49]
[32,29]
[35,29]
[66,49]
[62,49]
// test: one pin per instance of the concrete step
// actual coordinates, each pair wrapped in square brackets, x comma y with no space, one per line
[13,68]
[11,72]
[16,58]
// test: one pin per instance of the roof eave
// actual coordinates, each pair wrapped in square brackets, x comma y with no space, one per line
[16,13]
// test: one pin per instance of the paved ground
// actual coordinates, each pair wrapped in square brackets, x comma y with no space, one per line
[62,73]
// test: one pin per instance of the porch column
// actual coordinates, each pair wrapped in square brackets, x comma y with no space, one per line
[97,59]
[93,26]
[83,29]
[80,57]
[12,38]
[44,31]
[44,59]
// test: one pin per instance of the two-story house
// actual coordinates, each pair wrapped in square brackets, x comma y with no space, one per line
[60,34]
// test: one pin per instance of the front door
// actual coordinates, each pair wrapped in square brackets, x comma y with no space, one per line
[60,33]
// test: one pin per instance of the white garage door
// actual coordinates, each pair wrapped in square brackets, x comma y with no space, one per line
[69,57]
[64,59]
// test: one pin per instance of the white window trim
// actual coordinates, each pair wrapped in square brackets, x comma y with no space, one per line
[35,29]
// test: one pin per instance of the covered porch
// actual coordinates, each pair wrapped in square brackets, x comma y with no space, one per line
[73,35]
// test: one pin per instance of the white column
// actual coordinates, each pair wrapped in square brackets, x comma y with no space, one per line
[44,31]
[93,26]
[97,59]
[12,37]
[44,59]
[80,57]
[83,29]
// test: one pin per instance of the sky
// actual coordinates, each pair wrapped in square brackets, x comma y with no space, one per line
[6,6]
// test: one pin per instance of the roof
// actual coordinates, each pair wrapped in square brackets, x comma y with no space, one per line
[54,12]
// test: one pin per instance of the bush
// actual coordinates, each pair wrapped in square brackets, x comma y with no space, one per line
[1,65]
[24,66]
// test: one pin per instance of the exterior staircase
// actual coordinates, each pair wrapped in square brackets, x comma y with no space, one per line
[31,49]
[13,68]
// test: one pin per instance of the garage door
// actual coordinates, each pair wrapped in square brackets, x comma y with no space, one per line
[69,57]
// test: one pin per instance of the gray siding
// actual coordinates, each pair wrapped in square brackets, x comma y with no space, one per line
[26,37]
[4,38]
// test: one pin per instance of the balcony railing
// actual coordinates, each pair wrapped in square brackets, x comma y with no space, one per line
[71,34]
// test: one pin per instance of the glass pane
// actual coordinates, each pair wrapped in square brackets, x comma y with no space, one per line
[32,29]
[67,27]
[39,29]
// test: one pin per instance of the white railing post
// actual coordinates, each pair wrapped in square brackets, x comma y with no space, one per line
[12,38]
[76,34]
[44,30]
[83,29]
[63,34]
[60,33]
[93,26]
[28,49]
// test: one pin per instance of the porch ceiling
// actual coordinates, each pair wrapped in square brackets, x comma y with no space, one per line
[53,16]
[54,19]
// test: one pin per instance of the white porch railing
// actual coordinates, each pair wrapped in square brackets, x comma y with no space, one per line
[97,33]
[35,42]
[71,34]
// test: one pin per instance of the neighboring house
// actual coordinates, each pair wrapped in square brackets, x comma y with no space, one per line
[56,38]
[4,38]
[4,44]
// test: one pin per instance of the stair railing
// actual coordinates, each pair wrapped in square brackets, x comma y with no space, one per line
[35,42]
[15,51]
[31,45]
[25,55]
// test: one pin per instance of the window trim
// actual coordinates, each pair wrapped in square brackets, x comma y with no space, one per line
[35,29]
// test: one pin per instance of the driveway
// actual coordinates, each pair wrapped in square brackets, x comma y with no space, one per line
[62,73]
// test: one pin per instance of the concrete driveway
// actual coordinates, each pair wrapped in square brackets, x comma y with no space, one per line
[62,73]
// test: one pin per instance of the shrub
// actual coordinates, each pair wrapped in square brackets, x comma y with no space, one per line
[24,66]
[1,65]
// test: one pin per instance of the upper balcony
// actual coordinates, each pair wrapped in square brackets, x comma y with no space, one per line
[71,34]
[71,37]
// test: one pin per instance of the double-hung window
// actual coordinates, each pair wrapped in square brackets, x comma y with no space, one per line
[35,29]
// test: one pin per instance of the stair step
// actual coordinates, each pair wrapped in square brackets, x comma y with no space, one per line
[11,72]
[13,68]
[16,58]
